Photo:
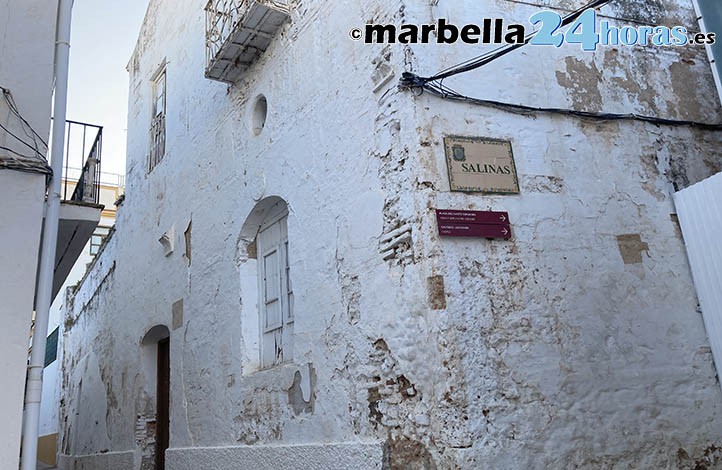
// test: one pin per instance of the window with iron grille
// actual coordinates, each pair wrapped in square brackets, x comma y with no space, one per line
[157,124]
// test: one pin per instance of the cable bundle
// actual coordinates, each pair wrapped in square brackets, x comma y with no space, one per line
[435,85]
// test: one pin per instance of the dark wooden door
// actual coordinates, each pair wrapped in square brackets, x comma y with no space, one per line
[163,403]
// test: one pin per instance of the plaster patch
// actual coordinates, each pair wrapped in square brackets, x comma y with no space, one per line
[404,453]
[187,235]
[682,76]
[383,71]
[301,394]
[542,184]
[167,241]
[437,294]
[631,248]
[582,82]
[178,314]
[351,293]
[392,398]
[650,175]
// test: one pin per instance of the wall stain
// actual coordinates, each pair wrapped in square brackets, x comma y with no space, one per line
[582,82]
[631,248]
[295,393]
[404,453]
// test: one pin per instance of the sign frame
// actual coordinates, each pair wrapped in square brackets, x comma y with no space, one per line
[451,140]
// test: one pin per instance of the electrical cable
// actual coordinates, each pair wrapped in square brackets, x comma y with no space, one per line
[25,163]
[20,166]
[8,149]
[484,59]
[447,93]
[10,100]
[14,108]
[34,149]
[435,85]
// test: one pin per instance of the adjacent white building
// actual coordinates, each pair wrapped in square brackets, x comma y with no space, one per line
[26,73]
[277,293]
[28,32]
[111,187]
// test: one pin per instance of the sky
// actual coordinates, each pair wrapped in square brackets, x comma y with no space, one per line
[102,39]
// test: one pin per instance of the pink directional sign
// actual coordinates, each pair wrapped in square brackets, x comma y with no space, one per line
[481,224]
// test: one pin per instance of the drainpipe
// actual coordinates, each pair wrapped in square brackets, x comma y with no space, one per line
[34,386]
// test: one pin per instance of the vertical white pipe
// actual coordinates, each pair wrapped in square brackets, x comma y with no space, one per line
[46,272]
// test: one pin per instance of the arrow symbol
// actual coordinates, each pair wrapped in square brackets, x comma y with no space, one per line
[502,218]
[505,232]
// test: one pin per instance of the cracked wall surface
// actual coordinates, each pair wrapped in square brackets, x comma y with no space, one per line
[575,344]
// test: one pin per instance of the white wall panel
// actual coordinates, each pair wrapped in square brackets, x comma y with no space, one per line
[700,214]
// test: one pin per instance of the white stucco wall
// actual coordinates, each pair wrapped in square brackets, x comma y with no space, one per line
[52,375]
[27,29]
[21,218]
[566,346]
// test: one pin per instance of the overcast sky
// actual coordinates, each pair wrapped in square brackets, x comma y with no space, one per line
[103,38]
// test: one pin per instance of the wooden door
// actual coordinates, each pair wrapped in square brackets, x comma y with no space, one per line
[162,404]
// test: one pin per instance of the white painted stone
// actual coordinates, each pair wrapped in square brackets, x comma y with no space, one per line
[361,456]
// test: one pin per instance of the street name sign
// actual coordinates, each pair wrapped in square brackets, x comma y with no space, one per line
[481,165]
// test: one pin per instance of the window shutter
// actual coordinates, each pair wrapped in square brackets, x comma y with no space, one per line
[273,292]
[51,348]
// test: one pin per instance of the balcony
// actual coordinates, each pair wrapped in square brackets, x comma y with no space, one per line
[80,208]
[238,32]
[83,144]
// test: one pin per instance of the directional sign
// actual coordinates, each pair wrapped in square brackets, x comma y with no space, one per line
[481,224]
[472,217]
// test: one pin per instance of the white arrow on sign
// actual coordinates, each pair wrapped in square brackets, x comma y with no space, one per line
[505,232]
[502,218]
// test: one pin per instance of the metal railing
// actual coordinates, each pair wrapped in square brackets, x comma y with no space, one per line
[222,16]
[83,148]
[224,19]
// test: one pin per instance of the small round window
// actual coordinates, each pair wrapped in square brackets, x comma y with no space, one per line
[258,117]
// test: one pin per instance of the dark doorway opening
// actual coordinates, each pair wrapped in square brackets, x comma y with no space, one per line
[162,403]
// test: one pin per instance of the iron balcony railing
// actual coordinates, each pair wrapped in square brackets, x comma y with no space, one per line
[83,149]
[238,32]
[222,16]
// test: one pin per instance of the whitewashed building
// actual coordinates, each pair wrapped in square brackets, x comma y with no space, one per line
[111,188]
[277,293]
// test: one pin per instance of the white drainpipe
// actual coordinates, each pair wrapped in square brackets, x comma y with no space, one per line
[46,272]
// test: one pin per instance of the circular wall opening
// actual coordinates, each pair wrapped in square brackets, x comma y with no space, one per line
[258,117]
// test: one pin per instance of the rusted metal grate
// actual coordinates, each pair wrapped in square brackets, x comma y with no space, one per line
[238,32]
